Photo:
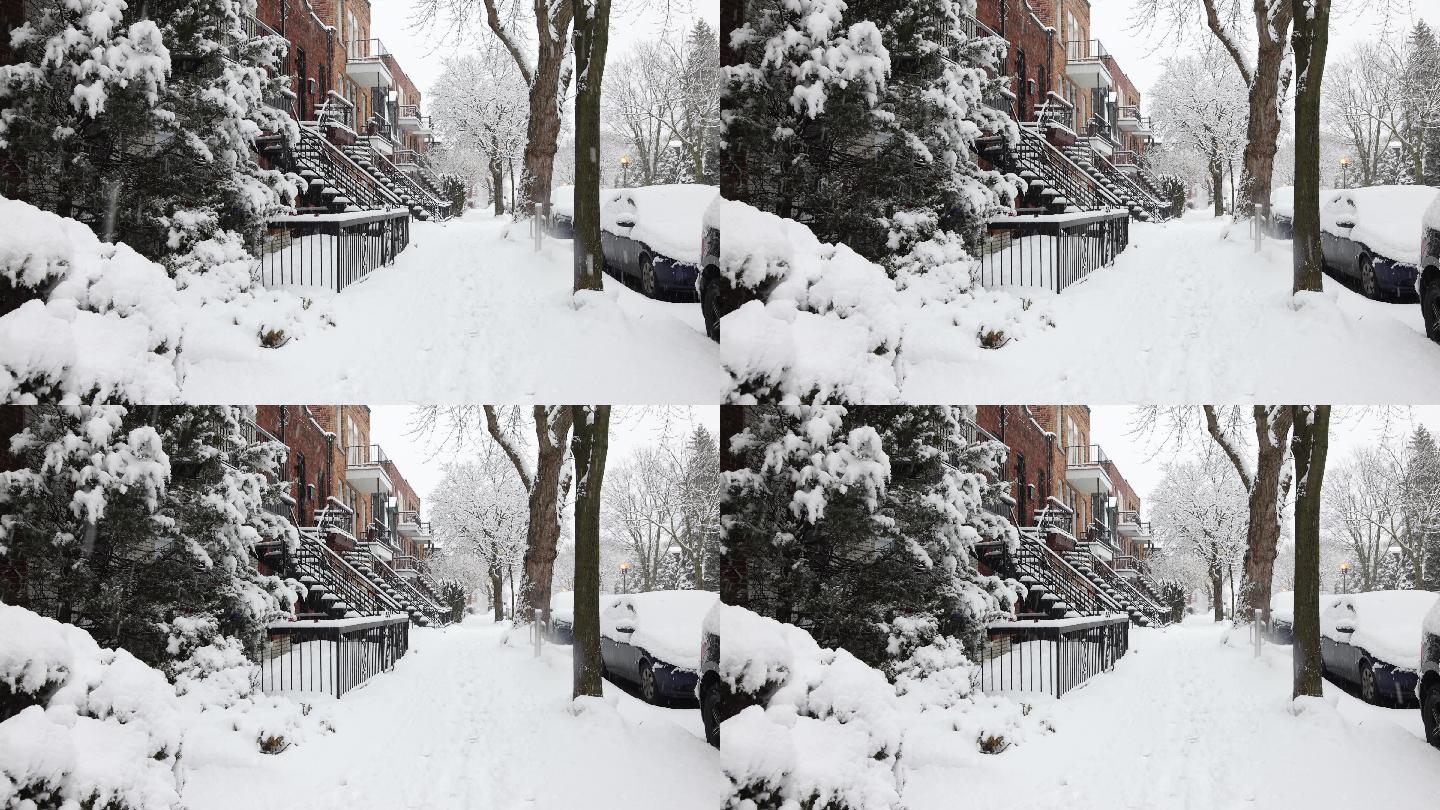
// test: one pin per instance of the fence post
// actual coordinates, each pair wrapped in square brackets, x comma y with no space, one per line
[535,225]
[539,616]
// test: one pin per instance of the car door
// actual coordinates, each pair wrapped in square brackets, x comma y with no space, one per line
[620,656]
[618,218]
[1339,250]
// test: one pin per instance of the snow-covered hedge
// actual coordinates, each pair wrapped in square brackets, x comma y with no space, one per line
[836,733]
[834,326]
[85,726]
[107,324]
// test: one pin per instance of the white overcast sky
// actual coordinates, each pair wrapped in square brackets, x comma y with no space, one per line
[1141,460]
[630,429]
[421,50]
[1142,54]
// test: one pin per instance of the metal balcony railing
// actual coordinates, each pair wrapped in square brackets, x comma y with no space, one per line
[1056,111]
[335,516]
[365,455]
[1085,455]
[1055,515]
[1085,50]
[366,49]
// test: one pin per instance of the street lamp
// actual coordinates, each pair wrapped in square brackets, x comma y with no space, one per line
[625,178]
[624,577]
[1344,577]
[1345,176]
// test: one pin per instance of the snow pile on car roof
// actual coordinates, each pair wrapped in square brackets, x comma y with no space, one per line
[1387,623]
[562,200]
[562,606]
[1282,606]
[667,218]
[834,326]
[1387,218]
[667,623]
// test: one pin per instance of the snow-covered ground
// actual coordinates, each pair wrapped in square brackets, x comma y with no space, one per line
[1187,720]
[467,314]
[467,721]
[1188,315]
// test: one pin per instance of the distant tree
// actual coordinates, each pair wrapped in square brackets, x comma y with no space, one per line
[479,105]
[1394,169]
[1199,103]
[1176,596]
[1394,572]
[479,512]
[1199,510]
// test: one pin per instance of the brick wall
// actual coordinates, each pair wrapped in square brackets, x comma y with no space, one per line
[340,14]
[310,465]
[1030,59]
[1029,466]
[1126,95]
[1071,426]
[308,60]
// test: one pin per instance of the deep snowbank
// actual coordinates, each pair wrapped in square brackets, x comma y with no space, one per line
[833,326]
[99,726]
[109,325]
[836,733]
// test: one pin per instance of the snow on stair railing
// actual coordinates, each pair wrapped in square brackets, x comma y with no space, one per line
[332,656]
[1052,656]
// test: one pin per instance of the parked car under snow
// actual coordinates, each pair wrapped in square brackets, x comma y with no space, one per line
[1371,235]
[1430,675]
[649,236]
[650,640]
[1282,617]
[1370,640]
[1427,286]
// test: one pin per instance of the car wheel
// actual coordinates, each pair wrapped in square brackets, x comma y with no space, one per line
[1430,308]
[1429,714]
[1367,278]
[647,278]
[710,309]
[1367,682]
[710,714]
[647,683]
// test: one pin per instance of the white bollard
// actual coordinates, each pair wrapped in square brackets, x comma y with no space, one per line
[1259,632]
[538,628]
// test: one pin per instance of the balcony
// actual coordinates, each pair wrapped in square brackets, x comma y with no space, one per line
[1085,469]
[406,565]
[412,121]
[1085,64]
[1132,122]
[364,65]
[413,527]
[1127,159]
[365,469]
[1133,527]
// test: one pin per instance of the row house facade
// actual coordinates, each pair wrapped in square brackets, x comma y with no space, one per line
[1083,539]
[364,139]
[1083,135]
[363,540]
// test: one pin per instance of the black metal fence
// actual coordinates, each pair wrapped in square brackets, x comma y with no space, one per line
[1052,251]
[331,250]
[331,656]
[1053,657]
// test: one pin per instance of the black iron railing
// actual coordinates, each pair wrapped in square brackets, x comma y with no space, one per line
[1055,516]
[331,250]
[1037,566]
[1052,251]
[1055,111]
[1052,657]
[337,589]
[331,656]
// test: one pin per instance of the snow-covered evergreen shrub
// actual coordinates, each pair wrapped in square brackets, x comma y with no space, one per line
[104,324]
[831,326]
[841,113]
[147,513]
[850,517]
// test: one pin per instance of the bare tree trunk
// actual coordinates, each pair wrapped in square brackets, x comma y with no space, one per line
[497,592]
[1217,182]
[1264,125]
[1310,445]
[497,182]
[592,32]
[1309,41]
[589,446]
[1217,585]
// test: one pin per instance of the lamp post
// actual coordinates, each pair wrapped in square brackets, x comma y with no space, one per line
[1344,577]
[625,177]
[1344,178]
[624,577]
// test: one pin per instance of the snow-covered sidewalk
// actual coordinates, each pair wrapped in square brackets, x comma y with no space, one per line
[468,315]
[1187,721]
[465,721]
[1188,315]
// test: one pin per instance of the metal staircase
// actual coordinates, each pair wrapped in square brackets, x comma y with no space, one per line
[1056,184]
[334,588]
[1141,205]
[421,609]
[1136,604]
[422,204]
[1055,590]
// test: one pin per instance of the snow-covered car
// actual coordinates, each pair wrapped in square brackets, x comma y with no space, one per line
[1282,617]
[1430,675]
[648,236]
[649,638]
[562,617]
[1369,640]
[1282,212]
[1427,285]
[1371,235]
